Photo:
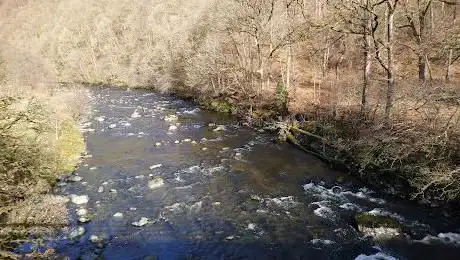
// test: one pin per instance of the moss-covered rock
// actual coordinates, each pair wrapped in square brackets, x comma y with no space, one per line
[378,227]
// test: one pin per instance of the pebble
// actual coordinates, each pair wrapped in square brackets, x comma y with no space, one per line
[118,215]
[142,222]
[82,212]
[251,226]
[170,118]
[157,144]
[112,126]
[93,168]
[219,128]
[156,183]
[176,142]
[204,148]
[135,114]
[229,238]
[95,239]
[77,232]
[238,156]
[76,199]
[100,119]
[100,189]
[187,140]
[132,209]
[172,128]
[194,142]
[155,166]
[83,220]
[113,191]
[75,178]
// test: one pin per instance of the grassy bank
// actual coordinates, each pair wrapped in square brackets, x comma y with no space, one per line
[39,139]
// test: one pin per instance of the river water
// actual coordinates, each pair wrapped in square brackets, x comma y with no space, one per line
[210,188]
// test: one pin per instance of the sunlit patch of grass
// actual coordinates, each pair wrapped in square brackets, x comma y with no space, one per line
[69,146]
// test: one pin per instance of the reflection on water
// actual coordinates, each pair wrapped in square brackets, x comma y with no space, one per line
[196,185]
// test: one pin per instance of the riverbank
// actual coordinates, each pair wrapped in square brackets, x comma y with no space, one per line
[40,139]
[407,157]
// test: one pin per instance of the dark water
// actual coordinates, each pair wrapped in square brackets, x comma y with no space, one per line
[231,194]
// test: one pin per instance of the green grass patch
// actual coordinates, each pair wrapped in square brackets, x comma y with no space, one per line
[69,146]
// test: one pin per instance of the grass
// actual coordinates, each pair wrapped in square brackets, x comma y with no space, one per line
[69,146]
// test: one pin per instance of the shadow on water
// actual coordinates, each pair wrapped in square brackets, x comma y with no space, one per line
[211,189]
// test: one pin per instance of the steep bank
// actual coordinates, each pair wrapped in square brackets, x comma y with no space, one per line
[40,139]
[405,158]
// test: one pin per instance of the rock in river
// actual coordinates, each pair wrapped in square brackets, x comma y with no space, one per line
[118,215]
[142,222]
[74,178]
[79,199]
[156,183]
[378,227]
[77,232]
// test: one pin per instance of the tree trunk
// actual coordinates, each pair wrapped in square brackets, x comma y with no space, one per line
[421,67]
[367,61]
[421,40]
[390,74]
[451,51]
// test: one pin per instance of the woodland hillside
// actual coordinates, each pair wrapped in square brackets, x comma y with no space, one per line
[378,81]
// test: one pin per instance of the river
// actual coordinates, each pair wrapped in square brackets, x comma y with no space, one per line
[166,180]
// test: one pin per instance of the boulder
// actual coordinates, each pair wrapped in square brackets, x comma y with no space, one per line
[378,227]
[156,183]
[79,199]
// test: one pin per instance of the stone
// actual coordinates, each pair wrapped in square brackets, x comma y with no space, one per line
[93,168]
[95,239]
[75,178]
[172,128]
[79,199]
[100,119]
[112,126]
[82,212]
[100,189]
[155,183]
[77,232]
[142,222]
[251,226]
[155,166]
[204,149]
[118,215]
[135,114]
[132,209]
[170,118]
[378,227]
[238,156]
[176,142]
[219,128]
[157,144]
[83,220]
[113,191]
[187,140]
